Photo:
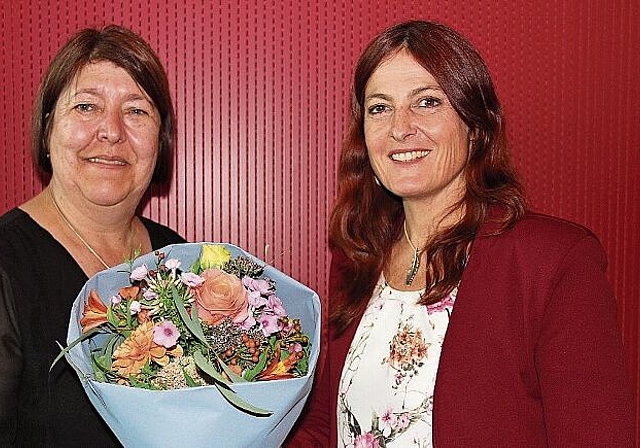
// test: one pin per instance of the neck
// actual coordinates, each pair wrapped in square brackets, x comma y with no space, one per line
[422,221]
[99,222]
[108,241]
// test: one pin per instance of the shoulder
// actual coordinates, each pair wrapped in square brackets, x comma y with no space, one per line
[12,218]
[540,230]
[19,233]
[542,239]
[541,224]
[160,234]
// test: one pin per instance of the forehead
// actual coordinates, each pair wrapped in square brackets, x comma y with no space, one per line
[101,76]
[399,71]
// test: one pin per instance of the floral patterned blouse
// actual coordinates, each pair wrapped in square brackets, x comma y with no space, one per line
[386,389]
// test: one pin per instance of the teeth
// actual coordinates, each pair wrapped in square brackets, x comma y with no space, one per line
[408,156]
[107,162]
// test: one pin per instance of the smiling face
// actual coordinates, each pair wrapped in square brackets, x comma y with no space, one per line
[104,137]
[416,141]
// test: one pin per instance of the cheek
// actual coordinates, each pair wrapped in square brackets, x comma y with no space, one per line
[146,143]
[454,136]
[454,159]
[146,137]
[67,135]
[375,141]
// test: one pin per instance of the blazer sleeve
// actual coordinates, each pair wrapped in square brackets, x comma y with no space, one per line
[312,429]
[316,427]
[585,389]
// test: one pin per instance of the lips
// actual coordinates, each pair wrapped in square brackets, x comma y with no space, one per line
[409,156]
[107,161]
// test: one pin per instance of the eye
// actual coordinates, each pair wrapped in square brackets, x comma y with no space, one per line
[377,109]
[429,102]
[138,111]
[85,107]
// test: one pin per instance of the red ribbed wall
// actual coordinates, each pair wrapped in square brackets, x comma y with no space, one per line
[261,98]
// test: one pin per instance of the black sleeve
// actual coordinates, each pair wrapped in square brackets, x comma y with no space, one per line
[10,363]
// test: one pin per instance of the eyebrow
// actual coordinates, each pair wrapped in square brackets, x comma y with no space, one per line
[414,92]
[130,97]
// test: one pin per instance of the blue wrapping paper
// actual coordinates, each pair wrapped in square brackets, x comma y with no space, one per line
[199,416]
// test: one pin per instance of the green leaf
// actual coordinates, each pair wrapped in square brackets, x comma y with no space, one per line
[112,318]
[109,348]
[242,405]
[194,314]
[100,369]
[66,350]
[193,326]
[128,317]
[225,389]
[141,384]
[250,374]
[195,267]
[233,376]
[204,365]
[190,381]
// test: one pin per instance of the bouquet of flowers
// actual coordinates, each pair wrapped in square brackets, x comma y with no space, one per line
[196,344]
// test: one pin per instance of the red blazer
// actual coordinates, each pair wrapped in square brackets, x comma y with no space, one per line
[533,353]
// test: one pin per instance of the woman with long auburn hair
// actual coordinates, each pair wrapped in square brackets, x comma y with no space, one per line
[367,217]
[459,317]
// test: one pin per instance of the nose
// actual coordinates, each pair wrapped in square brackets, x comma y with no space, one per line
[111,127]
[402,125]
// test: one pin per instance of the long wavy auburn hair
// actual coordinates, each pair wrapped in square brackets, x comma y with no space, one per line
[367,220]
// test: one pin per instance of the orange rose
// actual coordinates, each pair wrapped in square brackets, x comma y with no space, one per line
[221,295]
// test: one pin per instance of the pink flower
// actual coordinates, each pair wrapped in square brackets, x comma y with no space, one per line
[446,303]
[191,280]
[172,264]
[139,273]
[135,307]
[403,421]
[260,285]
[249,322]
[275,305]
[387,422]
[269,323]
[166,334]
[366,440]
[255,299]
[149,294]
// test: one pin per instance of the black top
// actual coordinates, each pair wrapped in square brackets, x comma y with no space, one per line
[39,281]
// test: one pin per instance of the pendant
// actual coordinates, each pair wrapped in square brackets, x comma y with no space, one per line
[413,270]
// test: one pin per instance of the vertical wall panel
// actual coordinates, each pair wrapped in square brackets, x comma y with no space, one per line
[261,96]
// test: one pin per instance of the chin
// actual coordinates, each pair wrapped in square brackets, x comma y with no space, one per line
[112,196]
[406,192]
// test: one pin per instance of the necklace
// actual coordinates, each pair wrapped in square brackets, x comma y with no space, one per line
[75,232]
[415,263]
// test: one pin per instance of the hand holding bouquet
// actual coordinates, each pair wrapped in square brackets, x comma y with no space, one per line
[189,318]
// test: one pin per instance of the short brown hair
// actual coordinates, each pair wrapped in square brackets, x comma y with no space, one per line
[126,50]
